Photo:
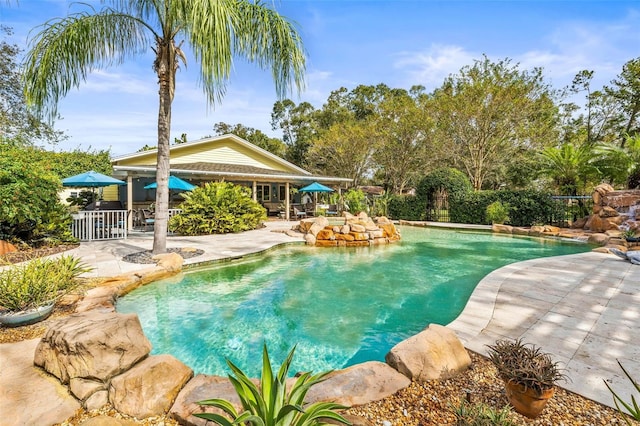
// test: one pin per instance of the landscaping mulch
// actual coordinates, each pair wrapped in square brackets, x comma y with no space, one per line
[33,253]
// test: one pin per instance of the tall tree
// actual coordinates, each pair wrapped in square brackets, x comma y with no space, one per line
[626,91]
[488,112]
[17,123]
[67,49]
[299,126]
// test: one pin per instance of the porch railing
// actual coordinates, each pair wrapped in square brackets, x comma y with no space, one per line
[99,225]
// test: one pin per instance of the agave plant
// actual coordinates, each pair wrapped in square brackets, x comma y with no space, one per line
[271,404]
[632,407]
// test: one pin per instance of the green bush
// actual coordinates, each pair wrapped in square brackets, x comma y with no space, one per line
[526,208]
[271,404]
[497,212]
[407,207]
[355,201]
[480,414]
[30,210]
[39,282]
[453,181]
[218,208]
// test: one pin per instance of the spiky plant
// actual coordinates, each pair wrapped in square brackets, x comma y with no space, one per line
[632,407]
[271,404]
[525,364]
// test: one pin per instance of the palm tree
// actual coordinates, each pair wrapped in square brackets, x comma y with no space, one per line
[621,164]
[570,167]
[67,49]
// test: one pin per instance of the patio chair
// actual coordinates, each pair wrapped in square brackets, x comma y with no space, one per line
[145,217]
[298,213]
[333,210]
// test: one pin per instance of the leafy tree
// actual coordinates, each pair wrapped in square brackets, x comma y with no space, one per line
[30,210]
[406,147]
[621,164]
[299,127]
[67,49]
[256,137]
[17,123]
[345,149]
[489,112]
[626,92]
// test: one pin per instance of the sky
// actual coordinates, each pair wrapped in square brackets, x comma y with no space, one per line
[399,43]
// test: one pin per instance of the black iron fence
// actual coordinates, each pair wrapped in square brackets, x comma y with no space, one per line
[438,207]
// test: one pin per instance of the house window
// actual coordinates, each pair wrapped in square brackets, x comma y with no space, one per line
[264,192]
[282,192]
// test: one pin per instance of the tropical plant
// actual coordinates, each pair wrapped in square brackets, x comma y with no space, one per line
[525,364]
[355,201]
[217,208]
[272,404]
[66,49]
[481,414]
[39,282]
[570,167]
[621,164]
[498,212]
[632,407]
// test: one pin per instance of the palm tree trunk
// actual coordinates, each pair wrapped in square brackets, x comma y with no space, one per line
[165,67]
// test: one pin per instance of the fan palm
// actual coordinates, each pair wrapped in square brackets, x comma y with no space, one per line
[66,50]
[569,166]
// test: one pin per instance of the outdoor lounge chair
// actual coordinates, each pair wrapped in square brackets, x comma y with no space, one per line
[145,218]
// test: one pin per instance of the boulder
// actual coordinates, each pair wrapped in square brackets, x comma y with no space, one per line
[579,223]
[97,400]
[607,211]
[359,384]
[310,239]
[150,387]
[435,353]
[501,229]
[83,388]
[94,345]
[325,234]
[598,239]
[199,388]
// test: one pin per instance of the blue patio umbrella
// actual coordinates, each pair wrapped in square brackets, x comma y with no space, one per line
[175,184]
[91,179]
[316,187]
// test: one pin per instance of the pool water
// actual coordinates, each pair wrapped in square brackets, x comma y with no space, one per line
[339,306]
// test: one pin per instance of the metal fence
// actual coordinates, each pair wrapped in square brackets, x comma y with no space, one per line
[438,207]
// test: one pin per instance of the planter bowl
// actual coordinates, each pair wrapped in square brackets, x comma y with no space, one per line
[30,316]
[527,401]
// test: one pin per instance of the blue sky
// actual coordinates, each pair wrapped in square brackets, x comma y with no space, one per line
[349,42]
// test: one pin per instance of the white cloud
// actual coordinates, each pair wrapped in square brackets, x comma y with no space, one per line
[432,66]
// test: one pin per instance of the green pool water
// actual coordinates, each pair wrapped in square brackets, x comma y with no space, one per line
[339,306]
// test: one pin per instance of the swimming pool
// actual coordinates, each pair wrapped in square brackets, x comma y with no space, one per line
[341,306]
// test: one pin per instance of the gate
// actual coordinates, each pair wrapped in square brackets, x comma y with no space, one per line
[438,206]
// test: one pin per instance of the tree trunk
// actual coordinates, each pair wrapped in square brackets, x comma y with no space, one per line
[165,67]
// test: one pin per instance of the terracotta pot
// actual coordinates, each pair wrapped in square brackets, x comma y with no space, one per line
[527,401]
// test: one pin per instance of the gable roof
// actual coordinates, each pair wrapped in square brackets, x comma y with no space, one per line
[233,150]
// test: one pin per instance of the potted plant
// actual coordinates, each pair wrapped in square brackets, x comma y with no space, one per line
[529,374]
[28,292]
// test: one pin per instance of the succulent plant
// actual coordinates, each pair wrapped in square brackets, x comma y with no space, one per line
[525,364]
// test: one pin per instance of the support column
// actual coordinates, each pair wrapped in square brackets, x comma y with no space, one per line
[129,202]
[287,202]
[254,191]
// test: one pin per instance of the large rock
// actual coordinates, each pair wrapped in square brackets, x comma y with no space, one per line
[94,345]
[6,247]
[359,384]
[199,388]
[150,387]
[435,353]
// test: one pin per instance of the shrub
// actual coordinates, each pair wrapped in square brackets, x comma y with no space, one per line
[218,208]
[497,212]
[39,282]
[526,208]
[271,404]
[407,207]
[355,201]
[480,414]
[453,181]
[30,210]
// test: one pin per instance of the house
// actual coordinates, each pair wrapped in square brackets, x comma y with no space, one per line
[221,158]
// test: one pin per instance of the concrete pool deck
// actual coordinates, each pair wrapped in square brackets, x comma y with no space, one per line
[583,308]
